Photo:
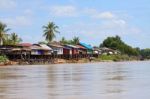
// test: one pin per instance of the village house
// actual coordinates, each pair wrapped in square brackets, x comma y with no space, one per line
[82,51]
[26,50]
[57,48]
[97,50]
[89,48]
[40,49]
[108,51]
[73,50]
[67,52]
[11,51]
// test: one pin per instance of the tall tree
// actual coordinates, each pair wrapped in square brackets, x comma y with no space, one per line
[117,44]
[50,31]
[3,30]
[75,40]
[15,39]
[63,40]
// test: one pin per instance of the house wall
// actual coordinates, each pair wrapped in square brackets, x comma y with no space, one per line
[58,50]
[47,52]
[82,51]
[67,51]
[75,51]
[37,52]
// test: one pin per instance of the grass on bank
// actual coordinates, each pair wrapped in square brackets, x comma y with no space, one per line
[115,58]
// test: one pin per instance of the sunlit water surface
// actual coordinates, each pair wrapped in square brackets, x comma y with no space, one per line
[121,80]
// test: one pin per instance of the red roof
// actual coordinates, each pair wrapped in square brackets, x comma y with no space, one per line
[25,44]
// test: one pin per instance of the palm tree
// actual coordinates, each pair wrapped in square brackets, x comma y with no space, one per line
[76,40]
[14,38]
[49,31]
[3,30]
[63,40]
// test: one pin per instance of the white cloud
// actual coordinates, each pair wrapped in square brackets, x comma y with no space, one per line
[7,4]
[99,15]
[26,19]
[18,21]
[105,15]
[109,20]
[66,11]
[95,33]
[114,24]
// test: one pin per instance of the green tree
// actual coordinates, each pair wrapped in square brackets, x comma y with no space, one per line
[15,39]
[12,39]
[145,53]
[3,31]
[117,44]
[75,40]
[63,40]
[50,31]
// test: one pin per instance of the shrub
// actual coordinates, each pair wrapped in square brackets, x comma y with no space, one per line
[3,59]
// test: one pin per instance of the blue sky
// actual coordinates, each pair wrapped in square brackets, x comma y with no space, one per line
[91,20]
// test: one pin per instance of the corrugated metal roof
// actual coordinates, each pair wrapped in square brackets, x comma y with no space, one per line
[72,46]
[55,45]
[86,46]
[67,47]
[35,47]
[45,47]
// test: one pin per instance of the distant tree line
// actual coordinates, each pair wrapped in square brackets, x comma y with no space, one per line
[117,44]
[145,53]
[74,41]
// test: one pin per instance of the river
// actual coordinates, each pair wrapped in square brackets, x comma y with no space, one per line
[112,80]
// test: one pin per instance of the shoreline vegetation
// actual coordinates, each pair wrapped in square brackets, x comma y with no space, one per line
[4,61]
[111,49]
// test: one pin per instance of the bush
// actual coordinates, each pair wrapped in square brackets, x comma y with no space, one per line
[3,59]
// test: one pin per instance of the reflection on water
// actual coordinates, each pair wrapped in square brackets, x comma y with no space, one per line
[120,80]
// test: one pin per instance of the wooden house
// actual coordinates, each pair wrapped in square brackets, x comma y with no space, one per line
[74,49]
[67,52]
[108,51]
[82,50]
[97,50]
[47,50]
[74,52]
[57,48]
[89,48]
[40,49]
[25,48]
[14,52]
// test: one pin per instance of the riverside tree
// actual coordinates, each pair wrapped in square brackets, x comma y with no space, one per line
[3,31]
[50,31]
[117,44]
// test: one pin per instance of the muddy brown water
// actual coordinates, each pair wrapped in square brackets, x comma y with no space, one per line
[120,80]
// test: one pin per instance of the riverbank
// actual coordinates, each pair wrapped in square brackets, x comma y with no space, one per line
[102,58]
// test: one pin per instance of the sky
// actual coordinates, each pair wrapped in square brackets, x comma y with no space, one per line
[90,20]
